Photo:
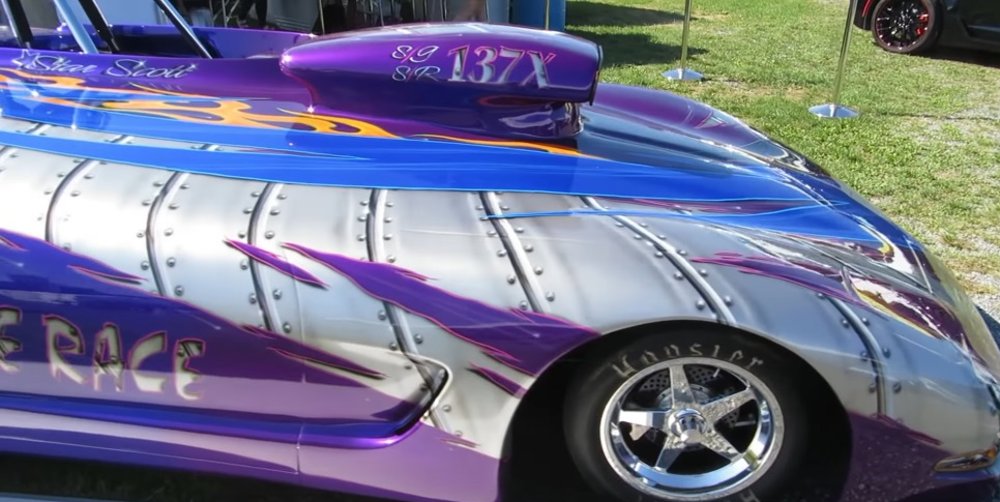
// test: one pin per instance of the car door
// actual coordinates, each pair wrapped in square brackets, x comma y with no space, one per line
[981,18]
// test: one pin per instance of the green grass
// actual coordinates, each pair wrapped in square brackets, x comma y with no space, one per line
[926,148]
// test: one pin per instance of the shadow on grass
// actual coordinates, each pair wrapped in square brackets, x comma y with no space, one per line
[634,48]
[602,14]
[981,58]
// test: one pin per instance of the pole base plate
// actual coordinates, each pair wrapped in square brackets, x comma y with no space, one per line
[682,74]
[832,111]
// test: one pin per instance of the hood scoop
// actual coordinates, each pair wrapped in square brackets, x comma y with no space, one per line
[487,79]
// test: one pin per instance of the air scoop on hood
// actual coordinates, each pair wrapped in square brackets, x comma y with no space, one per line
[491,79]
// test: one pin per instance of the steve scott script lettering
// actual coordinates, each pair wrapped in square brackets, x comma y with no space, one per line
[121,67]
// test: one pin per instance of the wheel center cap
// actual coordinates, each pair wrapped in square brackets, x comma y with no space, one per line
[688,425]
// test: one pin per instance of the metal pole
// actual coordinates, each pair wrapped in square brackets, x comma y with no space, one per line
[834,109]
[80,33]
[683,72]
[548,14]
[322,22]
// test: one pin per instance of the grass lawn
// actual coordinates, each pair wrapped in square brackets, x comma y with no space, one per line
[926,148]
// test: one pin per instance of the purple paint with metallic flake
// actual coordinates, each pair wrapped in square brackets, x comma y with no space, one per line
[526,341]
[496,378]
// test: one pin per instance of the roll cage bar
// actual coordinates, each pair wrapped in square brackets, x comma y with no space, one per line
[14,11]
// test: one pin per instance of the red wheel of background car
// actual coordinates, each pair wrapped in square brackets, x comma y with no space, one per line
[905,26]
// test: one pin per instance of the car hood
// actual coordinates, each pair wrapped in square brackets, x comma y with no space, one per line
[806,227]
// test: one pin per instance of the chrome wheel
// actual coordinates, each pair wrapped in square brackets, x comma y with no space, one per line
[691,429]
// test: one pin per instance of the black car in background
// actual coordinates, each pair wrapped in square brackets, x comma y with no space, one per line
[912,26]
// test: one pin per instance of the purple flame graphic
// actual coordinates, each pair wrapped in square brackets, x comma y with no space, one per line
[276,262]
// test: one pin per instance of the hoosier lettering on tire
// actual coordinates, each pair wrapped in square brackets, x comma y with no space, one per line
[688,415]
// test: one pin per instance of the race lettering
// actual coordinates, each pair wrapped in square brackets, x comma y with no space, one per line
[62,338]
[145,348]
[108,357]
[8,345]
[184,351]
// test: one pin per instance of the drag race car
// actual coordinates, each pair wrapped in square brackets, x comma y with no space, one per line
[352,262]
[913,26]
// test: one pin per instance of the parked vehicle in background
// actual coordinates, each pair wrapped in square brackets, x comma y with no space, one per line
[914,26]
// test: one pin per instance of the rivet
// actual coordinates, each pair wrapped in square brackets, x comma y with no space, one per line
[389,204]
[897,387]
[703,272]
[728,300]
[74,193]
[255,194]
[179,291]
[682,252]
[679,276]
[393,346]
[244,264]
[269,234]
[67,247]
[287,327]
[479,208]
[88,176]
[872,387]
[820,295]
[491,233]
[275,212]
[381,315]
[865,355]
[253,298]
[361,237]
[511,279]
[619,224]
[241,234]
[388,219]
[407,366]
[529,248]
[658,254]
[168,231]
[550,296]
[484,218]
[700,304]
[364,203]
[661,236]
[519,230]
[276,294]
[282,196]
[458,433]
[637,237]
[248,210]
[390,259]
[643,225]
[173,205]
[387,237]
[157,183]
[171,261]
[185,186]
[502,253]
[60,175]
[144,265]
[147,202]
[363,217]
[864,320]
[418,338]
[446,408]
[539,270]
[845,323]
[523,305]
[140,234]
[886,352]
[505,208]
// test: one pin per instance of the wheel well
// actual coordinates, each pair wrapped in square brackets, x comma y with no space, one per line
[538,466]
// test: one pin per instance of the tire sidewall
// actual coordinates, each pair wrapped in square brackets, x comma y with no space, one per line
[597,383]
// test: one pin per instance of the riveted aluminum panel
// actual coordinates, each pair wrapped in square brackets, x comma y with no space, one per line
[29,180]
[188,231]
[104,210]
[339,317]
[787,314]
[596,272]
[442,236]
[945,401]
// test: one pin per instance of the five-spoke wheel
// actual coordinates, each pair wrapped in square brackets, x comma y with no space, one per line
[687,416]
[905,26]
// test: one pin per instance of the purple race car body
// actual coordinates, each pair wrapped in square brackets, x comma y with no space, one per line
[321,260]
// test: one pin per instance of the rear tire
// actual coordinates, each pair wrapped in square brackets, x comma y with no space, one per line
[906,26]
[695,447]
